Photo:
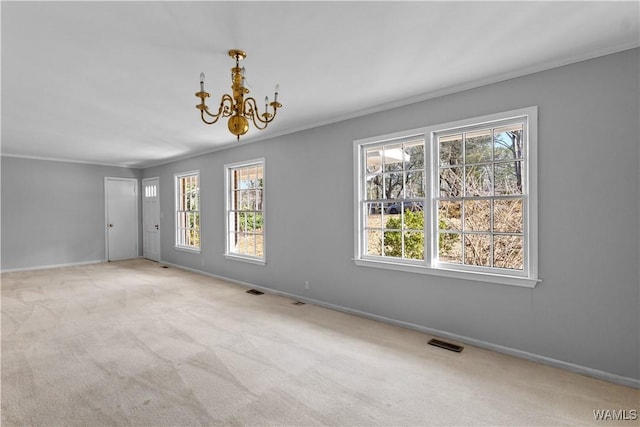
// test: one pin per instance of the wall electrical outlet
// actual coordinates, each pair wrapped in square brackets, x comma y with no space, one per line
[306,284]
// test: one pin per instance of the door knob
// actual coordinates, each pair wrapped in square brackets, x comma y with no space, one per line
[110,225]
[157,227]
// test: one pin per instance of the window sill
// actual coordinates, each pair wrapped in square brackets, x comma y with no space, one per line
[257,261]
[188,249]
[524,282]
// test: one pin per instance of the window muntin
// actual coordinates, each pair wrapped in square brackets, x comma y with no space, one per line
[245,209]
[478,198]
[188,210]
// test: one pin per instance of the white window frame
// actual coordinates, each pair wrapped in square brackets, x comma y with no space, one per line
[177,194]
[528,277]
[229,224]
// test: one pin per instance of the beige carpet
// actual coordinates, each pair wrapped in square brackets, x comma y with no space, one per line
[131,343]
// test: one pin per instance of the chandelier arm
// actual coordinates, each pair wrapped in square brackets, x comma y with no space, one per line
[223,110]
[252,112]
[205,120]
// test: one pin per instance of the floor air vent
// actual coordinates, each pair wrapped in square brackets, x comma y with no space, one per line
[446,345]
[254,292]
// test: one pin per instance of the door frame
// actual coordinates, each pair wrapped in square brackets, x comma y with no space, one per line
[106,213]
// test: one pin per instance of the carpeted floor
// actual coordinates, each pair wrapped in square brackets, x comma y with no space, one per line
[131,343]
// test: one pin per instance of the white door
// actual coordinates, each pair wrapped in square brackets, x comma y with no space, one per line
[151,218]
[121,199]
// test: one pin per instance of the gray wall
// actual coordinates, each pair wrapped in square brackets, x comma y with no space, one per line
[53,212]
[587,309]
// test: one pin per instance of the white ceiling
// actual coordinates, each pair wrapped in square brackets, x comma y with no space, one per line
[114,82]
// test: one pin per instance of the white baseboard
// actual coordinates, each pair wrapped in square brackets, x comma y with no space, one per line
[583,370]
[46,267]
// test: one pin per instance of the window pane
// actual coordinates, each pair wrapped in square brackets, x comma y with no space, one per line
[508,142]
[393,243]
[196,220]
[478,180]
[508,178]
[373,216]
[374,159]
[259,194]
[413,217]
[373,244]
[194,238]
[450,150]
[508,252]
[478,146]
[507,216]
[195,202]
[259,245]
[253,219]
[415,155]
[253,199]
[374,187]
[450,182]
[243,179]
[414,244]
[241,243]
[393,157]
[477,249]
[450,247]
[449,215]
[477,215]
[392,211]
[246,221]
[259,221]
[393,185]
[414,185]
[245,200]
[247,244]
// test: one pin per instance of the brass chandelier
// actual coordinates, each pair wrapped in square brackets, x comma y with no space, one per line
[239,109]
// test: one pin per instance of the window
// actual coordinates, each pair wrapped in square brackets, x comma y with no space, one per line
[394,201]
[151,191]
[188,210]
[457,199]
[245,211]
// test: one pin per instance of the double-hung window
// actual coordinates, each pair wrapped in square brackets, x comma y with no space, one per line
[188,210]
[245,225]
[457,199]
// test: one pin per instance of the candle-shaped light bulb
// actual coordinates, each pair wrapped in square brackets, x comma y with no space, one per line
[266,103]
[201,82]
[242,71]
[275,97]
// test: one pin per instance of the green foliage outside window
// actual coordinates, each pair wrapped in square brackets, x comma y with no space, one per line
[413,240]
[250,221]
